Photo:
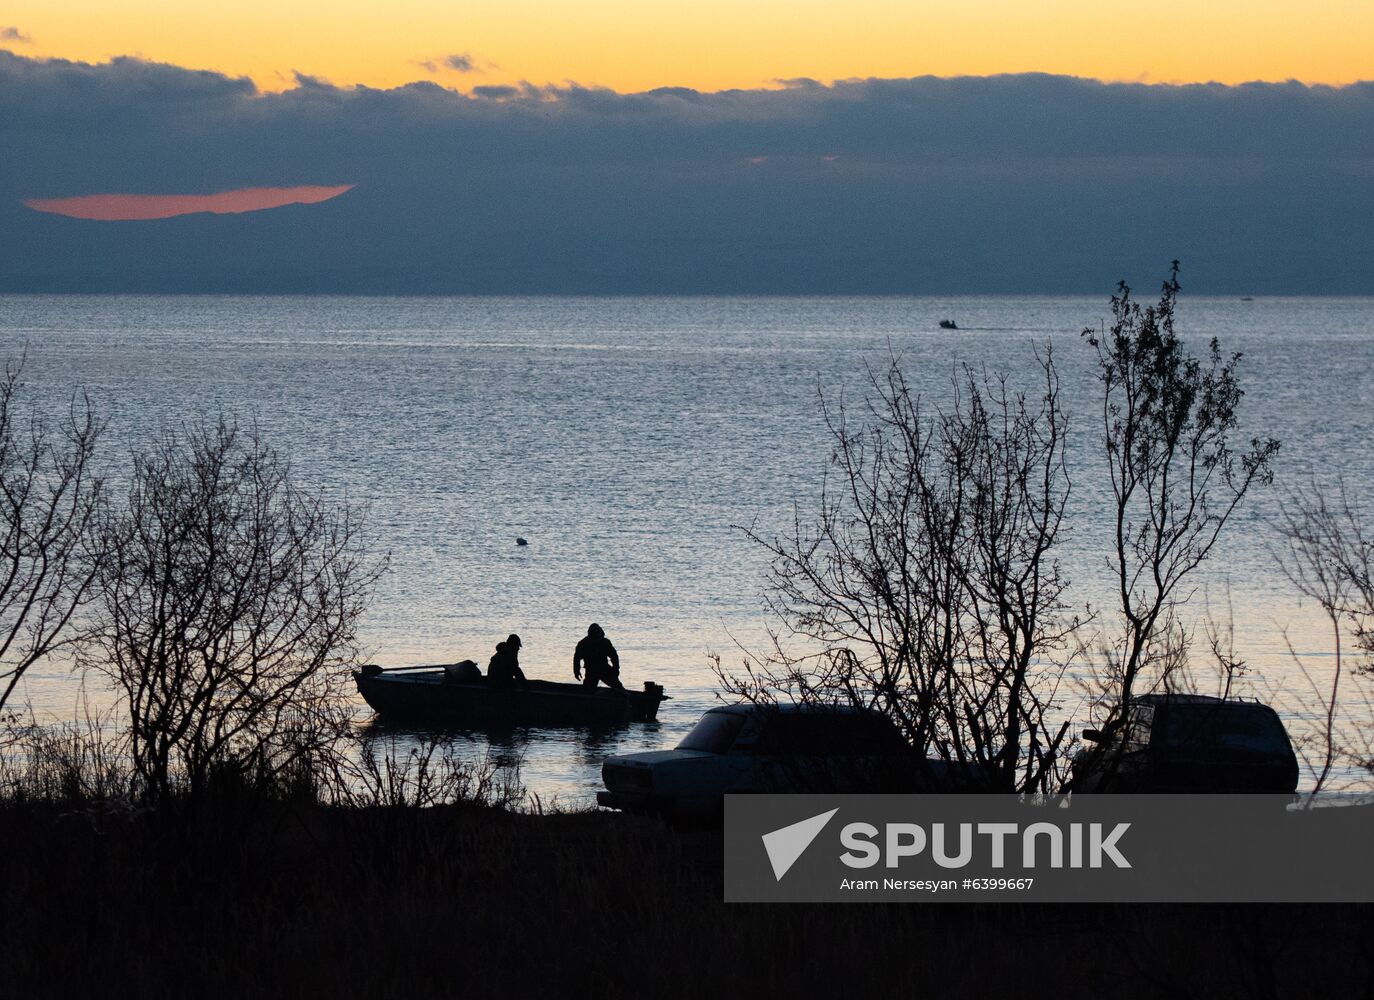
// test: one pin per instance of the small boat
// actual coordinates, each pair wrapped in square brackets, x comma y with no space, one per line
[428,694]
[948,324]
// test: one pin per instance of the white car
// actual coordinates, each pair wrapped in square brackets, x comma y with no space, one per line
[756,749]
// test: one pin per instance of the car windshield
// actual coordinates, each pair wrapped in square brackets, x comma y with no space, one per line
[1234,727]
[715,733]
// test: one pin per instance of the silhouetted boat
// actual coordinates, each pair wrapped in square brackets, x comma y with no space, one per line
[948,324]
[425,694]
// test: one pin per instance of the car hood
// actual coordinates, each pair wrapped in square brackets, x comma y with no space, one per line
[651,757]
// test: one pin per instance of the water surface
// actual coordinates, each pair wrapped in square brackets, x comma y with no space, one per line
[626,437]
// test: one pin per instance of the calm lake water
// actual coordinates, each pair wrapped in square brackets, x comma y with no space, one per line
[624,437]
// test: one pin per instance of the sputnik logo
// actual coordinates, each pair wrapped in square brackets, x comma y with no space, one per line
[786,845]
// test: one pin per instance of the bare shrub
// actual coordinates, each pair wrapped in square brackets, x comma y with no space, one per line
[228,611]
[1168,426]
[430,772]
[388,786]
[1328,555]
[927,585]
[83,763]
[49,492]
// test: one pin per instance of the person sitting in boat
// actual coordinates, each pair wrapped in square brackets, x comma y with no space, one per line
[504,668]
[595,655]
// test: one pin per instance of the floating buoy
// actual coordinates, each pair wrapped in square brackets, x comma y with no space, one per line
[520,541]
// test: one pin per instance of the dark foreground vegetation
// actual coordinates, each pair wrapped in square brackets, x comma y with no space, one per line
[473,900]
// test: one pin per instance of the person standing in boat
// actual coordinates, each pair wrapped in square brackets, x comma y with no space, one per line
[504,668]
[595,655]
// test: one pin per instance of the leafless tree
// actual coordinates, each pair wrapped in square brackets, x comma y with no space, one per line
[1168,422]
[927,586]
[1328,555]
[49,492]
[227,611]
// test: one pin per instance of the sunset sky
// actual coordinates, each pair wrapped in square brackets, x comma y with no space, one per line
[708,44]
[864,147]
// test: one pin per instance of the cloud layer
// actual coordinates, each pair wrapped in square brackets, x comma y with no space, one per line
[1011,183]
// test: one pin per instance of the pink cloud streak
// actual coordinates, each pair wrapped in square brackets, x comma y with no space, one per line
[128,207]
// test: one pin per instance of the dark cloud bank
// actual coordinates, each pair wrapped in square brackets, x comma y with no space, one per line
[1003,184]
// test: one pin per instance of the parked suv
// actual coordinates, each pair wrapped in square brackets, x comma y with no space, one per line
[1188,743]
[768,748]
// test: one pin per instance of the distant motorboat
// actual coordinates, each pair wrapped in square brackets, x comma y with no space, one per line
[1247,298]
[948,324]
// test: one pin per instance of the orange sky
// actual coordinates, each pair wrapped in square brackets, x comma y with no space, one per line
[709,44]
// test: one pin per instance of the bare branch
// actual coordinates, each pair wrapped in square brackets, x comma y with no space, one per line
[228,609]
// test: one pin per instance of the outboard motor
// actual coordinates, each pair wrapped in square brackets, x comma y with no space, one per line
[463,672]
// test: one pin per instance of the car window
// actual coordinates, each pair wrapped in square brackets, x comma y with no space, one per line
[1142,719]
[788,733]
[714,733]
[1229,727]
[1127,733]
[829,733]
[876,734]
